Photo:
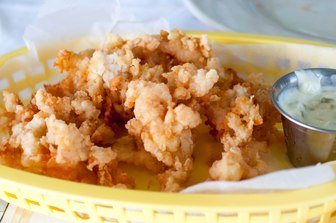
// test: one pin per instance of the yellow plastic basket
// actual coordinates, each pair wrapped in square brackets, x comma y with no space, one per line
[89,203]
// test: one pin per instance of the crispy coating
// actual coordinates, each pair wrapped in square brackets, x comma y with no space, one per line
[267,131]
[186,49]
[63,143]
[234,117]
[137,101]
[14,107]
[186,81]
[75,65]
[165,129]
[72,146]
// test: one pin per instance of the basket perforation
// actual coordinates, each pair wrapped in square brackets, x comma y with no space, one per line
[35,201]
[78,205]
[275,216]
[164,216]
[9,195]
[179,216]
[32,200]
[211,217]
[230,217]
[134,214]
[259,216]
[50,64]
[54,209]
[105,211]
[302,215]
[60,207]
[4,83]
[25,94]
[19,198]
[109,220]
[195,213]
[289,215]
[39,85]
[243,216]
[194,216]
[18,76]
[196,219]
[55,204]
[333,216]
[32,203]
[149,215]
[120,213]
[81,215]
[328,210]
[85,211]
[314,212]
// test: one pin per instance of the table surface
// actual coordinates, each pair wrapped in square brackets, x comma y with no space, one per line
[16,15]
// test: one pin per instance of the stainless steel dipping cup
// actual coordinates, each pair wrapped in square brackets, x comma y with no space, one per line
[306,144]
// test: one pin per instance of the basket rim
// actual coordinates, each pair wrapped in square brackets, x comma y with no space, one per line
[40,184]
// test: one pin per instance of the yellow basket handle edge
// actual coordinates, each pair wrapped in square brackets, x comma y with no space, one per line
[12,54]
[29,182]
[247,38]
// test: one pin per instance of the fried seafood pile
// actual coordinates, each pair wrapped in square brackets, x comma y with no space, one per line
[138,101]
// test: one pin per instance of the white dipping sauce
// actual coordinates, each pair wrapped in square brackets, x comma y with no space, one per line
[311,103]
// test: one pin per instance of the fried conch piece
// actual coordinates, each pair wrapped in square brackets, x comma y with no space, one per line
[187,81]
[164,128]
[267,131]
[56,136]
[234,117]
[186,49]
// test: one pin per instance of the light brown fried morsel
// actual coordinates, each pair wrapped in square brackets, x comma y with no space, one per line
[137,101]
[164,128]
[235,124]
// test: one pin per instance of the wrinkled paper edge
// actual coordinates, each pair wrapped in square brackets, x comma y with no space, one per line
[290,179]
[80,24]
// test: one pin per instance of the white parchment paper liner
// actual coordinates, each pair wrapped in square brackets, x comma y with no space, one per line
[290,179]
[77,25]
[80,24]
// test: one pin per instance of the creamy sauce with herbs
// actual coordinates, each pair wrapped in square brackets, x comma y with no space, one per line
[311,103]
